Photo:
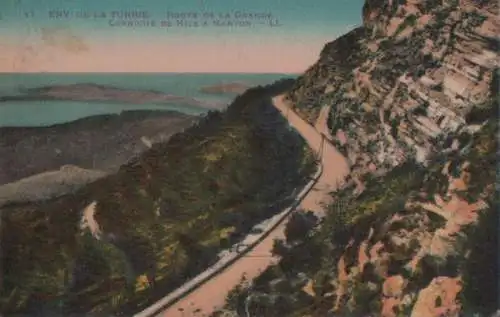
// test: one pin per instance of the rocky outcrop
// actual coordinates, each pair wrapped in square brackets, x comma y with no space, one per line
[429,233]
[439,298]
[400,83]
[419,241]
[399,88]
[411,97]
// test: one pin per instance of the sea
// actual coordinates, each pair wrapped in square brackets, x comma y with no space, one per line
[45,113]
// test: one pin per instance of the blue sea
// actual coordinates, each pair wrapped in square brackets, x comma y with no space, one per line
[43,113]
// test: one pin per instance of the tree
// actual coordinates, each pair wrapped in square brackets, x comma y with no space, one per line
[298,226]
[279,248]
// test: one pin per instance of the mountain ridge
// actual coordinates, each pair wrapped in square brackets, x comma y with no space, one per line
[102,142]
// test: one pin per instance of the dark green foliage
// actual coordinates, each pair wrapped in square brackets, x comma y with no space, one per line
[427,6]
[438,87]
[299,226]
[420,110]
[386,44]
[481,113]
[349,219]
[209,185]
[436,221]
[366,300]
[483,157]
[433,266]
[480,293]
[474,19]
[394,127]
[92,266]
[409,21]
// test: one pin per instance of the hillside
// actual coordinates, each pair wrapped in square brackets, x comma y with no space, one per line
[123,241]
[46,185]
[411,100]
[420,241]
[101,142]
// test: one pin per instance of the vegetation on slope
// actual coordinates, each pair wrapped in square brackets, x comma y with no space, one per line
[308,273]
[420,240]
[99,142]
[162,217]
[337,59]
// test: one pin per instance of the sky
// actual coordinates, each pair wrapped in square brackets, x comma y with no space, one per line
[216,36]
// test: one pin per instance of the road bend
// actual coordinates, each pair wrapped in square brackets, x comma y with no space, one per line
[211,295]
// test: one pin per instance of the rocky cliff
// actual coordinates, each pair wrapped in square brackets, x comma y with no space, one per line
[405,79]
[411,100]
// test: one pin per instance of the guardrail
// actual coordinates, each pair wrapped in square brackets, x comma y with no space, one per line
[222,264]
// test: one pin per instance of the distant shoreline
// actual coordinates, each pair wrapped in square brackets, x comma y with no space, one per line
[232,88]
[95,93]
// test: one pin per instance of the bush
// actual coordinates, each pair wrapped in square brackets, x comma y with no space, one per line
[409,21]
[420,111]
[480,114]
[480,292]
[299,226]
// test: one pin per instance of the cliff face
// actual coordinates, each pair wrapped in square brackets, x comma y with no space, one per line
[411,97]
[405,79]
[407,85]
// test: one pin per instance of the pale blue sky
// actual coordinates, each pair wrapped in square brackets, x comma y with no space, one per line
[303,25]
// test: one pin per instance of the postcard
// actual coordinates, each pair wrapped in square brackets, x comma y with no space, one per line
[249,158]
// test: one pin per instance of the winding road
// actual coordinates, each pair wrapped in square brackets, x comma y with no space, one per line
[211,295]
[335,165]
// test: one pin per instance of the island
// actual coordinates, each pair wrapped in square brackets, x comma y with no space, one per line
[94,93]
[229,88]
